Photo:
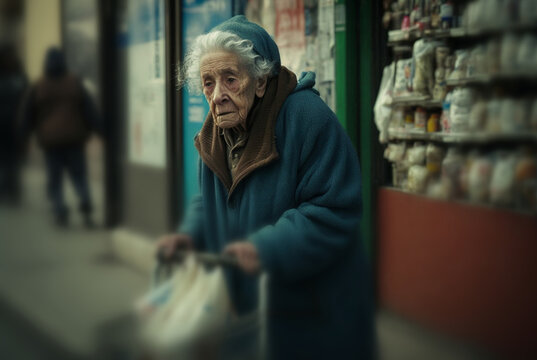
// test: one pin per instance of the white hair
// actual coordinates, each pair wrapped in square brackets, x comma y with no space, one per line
[189,71]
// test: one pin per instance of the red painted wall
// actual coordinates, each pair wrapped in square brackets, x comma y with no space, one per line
[468,271]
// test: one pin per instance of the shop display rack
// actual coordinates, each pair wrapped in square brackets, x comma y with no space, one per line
[416,100]
[398,37]
[463,138]
[501,77]
[457,218]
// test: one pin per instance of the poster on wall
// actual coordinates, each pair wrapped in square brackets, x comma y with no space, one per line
[289,33]
[146,73]
[199,16]
[305,34]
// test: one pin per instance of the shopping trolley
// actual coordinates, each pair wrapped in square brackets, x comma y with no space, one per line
[122,338]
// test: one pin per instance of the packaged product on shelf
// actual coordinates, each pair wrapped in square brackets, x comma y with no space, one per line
[397,121]
[502,13]
[400,174]
[420,119]
[440,87]
[423,66]
[511,119]
[445,121]
[433,123]
[527,54]
[435,14]
[509,52]
[405,25]
[533,116]
[395,152]
[526,180]
[440,55]
[494,122]
[409,120]
[477,61]
[472,18]
[492,57]
[416,154]
[417,179]
[403,77]
[478,116]
[449,64]
[521,115]
[461,106]
[415,15]
[433,159]
[502,183]
[395,16]
[387,16]
[383,103]
[451,171]
[485,14]
[424,23]
[461,65]
[446,14]
[527,11]
[479,174]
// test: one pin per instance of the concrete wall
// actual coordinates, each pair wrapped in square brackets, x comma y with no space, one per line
[42,29]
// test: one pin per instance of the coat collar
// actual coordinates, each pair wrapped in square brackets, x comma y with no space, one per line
[261,147]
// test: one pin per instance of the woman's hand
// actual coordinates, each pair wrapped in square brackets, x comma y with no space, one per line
[170,243]
[246,255]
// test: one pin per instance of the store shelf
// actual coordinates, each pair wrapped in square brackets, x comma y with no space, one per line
[461,138]
[416,100]
[505,76]
[491,31]
[445,33]
[396,37]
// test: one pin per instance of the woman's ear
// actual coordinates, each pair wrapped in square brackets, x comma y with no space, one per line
[261,86]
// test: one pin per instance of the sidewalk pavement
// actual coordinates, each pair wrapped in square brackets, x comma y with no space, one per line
[64,283]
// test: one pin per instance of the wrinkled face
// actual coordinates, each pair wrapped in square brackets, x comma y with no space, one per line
[228,88]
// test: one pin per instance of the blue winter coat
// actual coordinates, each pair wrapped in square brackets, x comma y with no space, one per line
[302,211]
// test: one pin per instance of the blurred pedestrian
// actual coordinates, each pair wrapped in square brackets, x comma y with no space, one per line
[12,85]
[280,191]
[63,116]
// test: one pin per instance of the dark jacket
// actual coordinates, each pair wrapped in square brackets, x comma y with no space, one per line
[302,210]
[58,107]
[59,119]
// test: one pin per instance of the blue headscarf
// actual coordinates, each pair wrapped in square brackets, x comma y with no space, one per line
[264,45]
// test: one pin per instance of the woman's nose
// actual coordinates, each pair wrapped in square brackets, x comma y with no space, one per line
[219,94]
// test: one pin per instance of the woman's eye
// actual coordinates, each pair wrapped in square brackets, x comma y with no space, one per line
[207,84]
[231,80]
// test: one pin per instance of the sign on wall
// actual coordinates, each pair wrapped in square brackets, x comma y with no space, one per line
[199,16]
[146,90]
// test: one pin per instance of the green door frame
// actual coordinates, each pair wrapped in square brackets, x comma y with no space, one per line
[360,57]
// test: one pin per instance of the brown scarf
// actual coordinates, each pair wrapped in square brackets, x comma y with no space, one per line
[261,147]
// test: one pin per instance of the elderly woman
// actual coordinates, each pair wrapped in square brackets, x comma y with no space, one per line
[280,191]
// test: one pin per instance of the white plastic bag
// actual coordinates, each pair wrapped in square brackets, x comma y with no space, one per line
[194,303]
[383,103]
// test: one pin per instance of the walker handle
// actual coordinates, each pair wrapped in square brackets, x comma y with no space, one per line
[204,257]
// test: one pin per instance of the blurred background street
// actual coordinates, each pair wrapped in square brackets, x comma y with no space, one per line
[58,285]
